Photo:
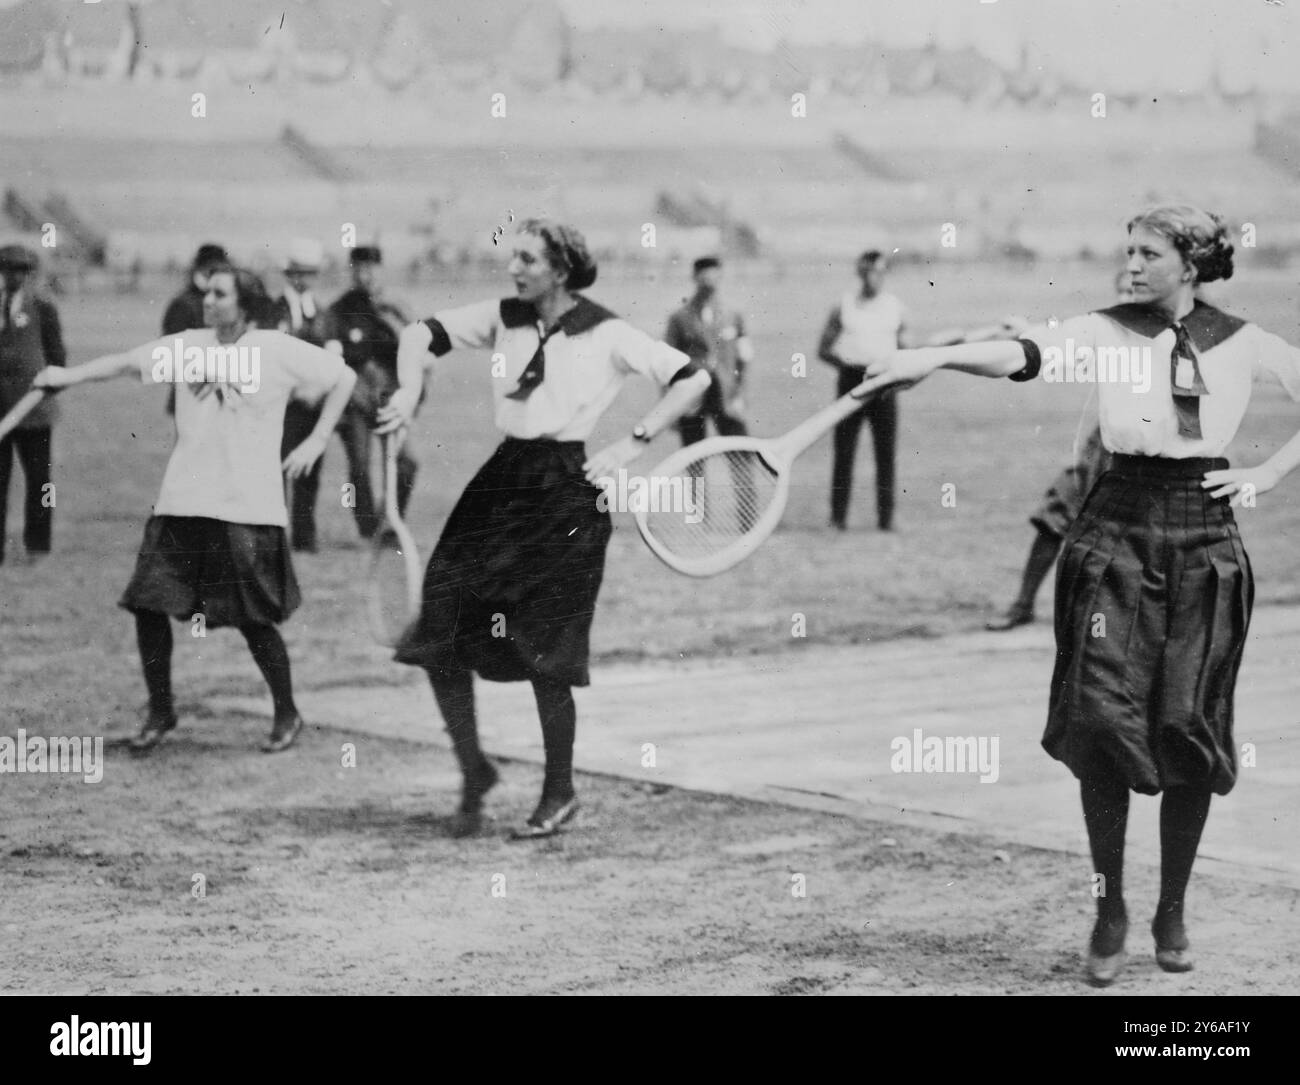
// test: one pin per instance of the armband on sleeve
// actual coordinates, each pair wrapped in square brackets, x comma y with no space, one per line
[1033,361]
[688,370]
[440,344]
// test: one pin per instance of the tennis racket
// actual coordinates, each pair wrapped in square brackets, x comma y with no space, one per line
[393,571]
[710,505]
[22,409]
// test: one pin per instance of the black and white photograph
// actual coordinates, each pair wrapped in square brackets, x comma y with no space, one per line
[650,498]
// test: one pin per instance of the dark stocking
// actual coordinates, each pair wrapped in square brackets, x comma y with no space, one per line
[153,633]
[1183,811]
[1105,812]
[455,696]
[559,718]
[272,659]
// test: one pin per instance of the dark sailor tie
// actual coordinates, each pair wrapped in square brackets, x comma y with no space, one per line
[1186,384]
[534,371]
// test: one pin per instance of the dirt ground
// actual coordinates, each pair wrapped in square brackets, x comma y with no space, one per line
[321,879]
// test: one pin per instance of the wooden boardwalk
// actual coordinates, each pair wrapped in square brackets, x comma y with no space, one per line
[816,727]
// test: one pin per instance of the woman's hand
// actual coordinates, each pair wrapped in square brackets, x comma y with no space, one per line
[54,377]
[398,411]
[303,458]
[902,368]
[606,462]
[1242,483]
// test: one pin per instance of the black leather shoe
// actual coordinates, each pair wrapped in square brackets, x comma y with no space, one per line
[283,734]
[468,819]
[1014,617]
[1172,949]
[476,787]
[546,820]
[155,727]
[1106,954]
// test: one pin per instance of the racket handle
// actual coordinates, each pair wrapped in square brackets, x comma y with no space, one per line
[812,428]
[391,443]
[22,409]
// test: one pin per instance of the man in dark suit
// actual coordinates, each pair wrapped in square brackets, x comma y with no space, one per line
[713,336]
[296,312]
[368,327]
[30,339]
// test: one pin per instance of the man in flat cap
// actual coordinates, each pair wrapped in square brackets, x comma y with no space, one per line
[296,312]
[185,310]
[30,339]
[368,327]
[713,336]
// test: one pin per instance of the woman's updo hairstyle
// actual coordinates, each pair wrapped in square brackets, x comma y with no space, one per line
[1201,237]
[250,294]
[566,249]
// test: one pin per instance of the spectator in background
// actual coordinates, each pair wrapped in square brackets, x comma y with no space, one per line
[368,327]
[713,337]
[30,340]
[297,313]
[185,310]
[868,325]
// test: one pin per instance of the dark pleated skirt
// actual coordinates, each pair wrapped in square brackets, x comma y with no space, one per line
[511,588]
[232,574]
[1153,599]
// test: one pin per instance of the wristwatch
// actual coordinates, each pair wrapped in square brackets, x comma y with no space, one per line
[640,433]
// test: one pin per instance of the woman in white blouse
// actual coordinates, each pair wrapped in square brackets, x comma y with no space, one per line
[1154,589]
[214,550]
[511,587]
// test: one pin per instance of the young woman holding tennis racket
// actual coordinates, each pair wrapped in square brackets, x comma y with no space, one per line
[215,547]
[511,587]
[1155,552]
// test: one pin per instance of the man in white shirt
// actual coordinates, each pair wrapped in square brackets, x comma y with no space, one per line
[866,326]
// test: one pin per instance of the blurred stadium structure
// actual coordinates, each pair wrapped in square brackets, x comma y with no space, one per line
[377,113]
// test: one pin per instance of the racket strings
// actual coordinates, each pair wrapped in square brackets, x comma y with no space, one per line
[719,499]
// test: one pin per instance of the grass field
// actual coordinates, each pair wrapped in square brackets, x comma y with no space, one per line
[323,881]
[943,569]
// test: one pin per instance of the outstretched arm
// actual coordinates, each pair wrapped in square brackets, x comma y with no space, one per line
[103,368]
[1004,358]
[1009,328]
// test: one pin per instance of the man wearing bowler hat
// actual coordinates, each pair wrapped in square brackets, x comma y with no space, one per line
[30,339]
[368,327]
[296,312]
[713,336]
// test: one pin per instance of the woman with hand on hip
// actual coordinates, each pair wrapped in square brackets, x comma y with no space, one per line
[511,587]
[1154,589]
